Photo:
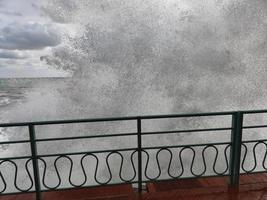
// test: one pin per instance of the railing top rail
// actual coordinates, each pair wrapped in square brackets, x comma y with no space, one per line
[254,111]
[126,118]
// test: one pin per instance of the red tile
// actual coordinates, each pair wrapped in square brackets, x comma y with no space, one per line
[252,187]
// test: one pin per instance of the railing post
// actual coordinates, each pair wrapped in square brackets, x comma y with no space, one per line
[236,144]
[35,162]
[139,149]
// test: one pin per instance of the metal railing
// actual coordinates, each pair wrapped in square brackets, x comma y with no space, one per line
[139,158]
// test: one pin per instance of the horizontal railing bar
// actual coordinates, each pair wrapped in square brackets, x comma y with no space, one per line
[256,126]
[84,137]
[185,131]
[114,119]
[253,172]
[88,186]
[129,118]
[67,121]
[15,142]
[19,193]
[186,145]
[253,141]
[132,149]
[114,150]
[180,178]
[131,134]
[86,152]
[186,115]
[254,111]
[15,158]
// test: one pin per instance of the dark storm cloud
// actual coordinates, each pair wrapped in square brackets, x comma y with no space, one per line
[28,36]
[6,54]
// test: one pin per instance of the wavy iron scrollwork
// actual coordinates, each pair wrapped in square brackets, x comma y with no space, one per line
[254,157]
[193,162]
[85,177]
[120,165]
[2,178]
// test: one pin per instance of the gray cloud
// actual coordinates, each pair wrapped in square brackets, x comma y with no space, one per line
[35,6]
[28,36]
[10,13]
[7,54]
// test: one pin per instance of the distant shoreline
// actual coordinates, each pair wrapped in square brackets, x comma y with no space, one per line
[49,77]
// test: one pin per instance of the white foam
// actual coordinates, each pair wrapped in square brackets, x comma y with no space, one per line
[4,101]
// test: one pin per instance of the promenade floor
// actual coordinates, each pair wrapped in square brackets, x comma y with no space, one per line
[251,187]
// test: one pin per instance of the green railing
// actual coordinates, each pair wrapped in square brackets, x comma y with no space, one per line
[139,158]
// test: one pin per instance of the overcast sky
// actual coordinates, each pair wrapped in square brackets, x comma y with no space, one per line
[26,34]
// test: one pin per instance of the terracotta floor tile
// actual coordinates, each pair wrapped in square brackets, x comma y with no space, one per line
[252,187]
